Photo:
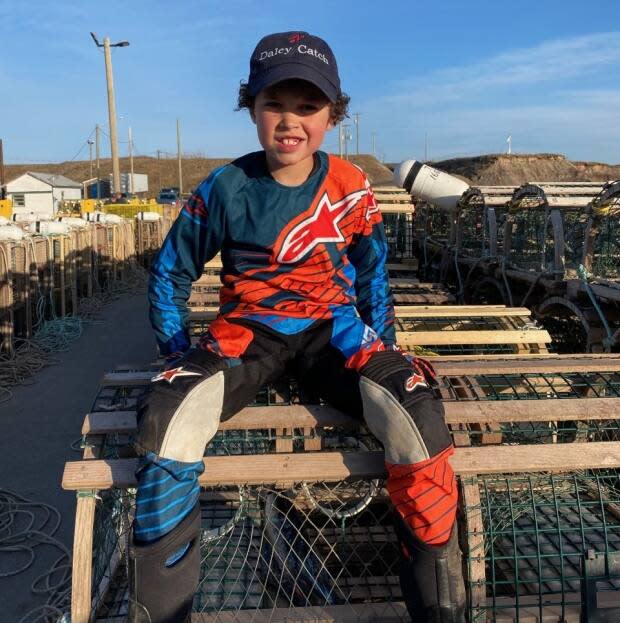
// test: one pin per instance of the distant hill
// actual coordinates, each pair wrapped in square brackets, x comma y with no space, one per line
[516,169]
[164,172]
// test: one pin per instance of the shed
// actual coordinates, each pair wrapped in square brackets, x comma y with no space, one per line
[41,192]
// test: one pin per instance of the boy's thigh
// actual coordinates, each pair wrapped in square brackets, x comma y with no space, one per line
[184,405]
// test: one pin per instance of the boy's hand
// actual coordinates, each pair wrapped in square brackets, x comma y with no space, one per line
[171,360]
[421,366]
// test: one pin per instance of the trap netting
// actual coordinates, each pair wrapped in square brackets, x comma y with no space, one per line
[262,548]
[543,546]
[606,244]
[399,234]
[533,544]
[473,225]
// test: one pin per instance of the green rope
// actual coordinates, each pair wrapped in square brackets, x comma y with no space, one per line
[583,275]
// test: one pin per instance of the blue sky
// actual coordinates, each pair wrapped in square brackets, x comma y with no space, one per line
[464,74]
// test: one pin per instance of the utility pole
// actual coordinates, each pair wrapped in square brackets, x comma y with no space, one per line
[159,168]
[116,172]
[179,157]
[374,146]
[1,171]
[97,148]
[356,120]
[340,139]
[130,140]
[346,136]
[90,156]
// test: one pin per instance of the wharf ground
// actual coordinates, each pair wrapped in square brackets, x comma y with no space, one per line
[41,421]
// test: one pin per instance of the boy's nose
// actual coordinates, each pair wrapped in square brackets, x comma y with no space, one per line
[288,120]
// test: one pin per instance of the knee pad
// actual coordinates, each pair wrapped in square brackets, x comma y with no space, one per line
[401,410]
[181,411]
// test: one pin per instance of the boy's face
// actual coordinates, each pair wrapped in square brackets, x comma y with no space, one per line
[291,119]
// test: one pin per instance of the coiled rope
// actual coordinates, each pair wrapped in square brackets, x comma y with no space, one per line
[25,525]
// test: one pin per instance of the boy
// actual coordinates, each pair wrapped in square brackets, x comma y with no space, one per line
[304,288]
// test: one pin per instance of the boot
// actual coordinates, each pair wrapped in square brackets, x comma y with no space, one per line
[163,575]
[431,578]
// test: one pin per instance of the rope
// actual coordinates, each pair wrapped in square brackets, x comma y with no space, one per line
[505,278]
[24,525]
[583,275]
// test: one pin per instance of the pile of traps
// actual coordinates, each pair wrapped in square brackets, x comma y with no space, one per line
[297,524]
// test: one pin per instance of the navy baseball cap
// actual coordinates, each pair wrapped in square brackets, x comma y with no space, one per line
[295,54]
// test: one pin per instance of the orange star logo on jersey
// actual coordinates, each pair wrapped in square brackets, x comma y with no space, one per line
[170,375]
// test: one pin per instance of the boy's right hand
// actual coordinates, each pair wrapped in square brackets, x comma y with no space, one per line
[171,360]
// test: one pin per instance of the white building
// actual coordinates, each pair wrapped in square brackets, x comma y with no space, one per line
[41,192]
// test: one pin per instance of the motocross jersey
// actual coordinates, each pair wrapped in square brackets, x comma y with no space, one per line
[291,256]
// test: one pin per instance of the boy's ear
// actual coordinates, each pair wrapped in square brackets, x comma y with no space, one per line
[252,115]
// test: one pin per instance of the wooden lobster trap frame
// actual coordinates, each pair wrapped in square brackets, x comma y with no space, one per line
[507,580]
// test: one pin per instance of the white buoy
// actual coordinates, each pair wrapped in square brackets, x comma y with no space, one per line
[11,232]
[148,216]
[428,184]
[47,228]
[73,221]
[30,217]
[103,217]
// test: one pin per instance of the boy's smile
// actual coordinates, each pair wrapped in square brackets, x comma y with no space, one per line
[291,119]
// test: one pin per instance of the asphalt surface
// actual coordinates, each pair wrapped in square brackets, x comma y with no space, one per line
[41,421]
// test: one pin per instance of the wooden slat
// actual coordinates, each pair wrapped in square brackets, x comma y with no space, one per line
[128,379]
[396,208]
[104,422]
[321,416]
[82,572]
[386,612]
[287,469]
[437,338]
[549,363]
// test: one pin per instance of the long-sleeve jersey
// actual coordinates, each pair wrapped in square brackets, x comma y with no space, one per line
[290,255]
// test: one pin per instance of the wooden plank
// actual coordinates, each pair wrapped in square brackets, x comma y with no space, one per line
[549,363]
[560,410]
[475,545]
[396,208]
[385,612]
[82,570]
[288,469]
[437,338]
[128,379]
[457,413]
[104,422]
[210,312]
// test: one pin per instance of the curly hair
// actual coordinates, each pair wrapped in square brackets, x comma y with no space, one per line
[339,108]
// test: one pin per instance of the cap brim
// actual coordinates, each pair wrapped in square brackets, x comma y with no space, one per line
[291,71]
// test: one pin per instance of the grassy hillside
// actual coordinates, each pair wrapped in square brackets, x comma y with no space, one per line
[517,169]
[164,172]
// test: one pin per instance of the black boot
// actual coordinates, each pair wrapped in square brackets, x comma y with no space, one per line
[431,578]
[161,590]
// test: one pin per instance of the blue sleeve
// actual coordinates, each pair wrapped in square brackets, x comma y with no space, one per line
[374,296]
[195,237]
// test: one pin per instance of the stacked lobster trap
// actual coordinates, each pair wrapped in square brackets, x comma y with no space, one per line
[297,523]
[552,246]
[45,276]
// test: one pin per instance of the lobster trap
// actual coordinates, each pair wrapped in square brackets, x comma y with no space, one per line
[602,253]
[288,532]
